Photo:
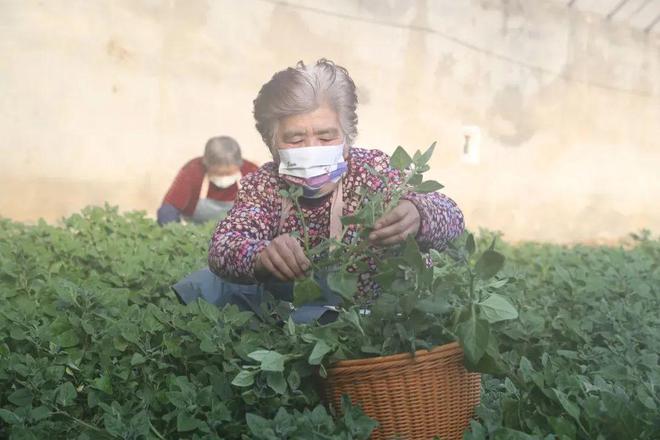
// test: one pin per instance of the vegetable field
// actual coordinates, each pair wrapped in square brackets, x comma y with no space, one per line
[94,345]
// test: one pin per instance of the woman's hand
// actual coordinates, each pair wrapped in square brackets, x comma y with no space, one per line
[284,258]
[396,225]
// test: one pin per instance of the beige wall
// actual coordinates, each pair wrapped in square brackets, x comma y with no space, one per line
[105,100]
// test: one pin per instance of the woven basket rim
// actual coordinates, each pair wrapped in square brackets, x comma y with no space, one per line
[383,361]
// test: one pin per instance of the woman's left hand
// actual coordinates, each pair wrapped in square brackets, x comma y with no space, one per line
[396,225]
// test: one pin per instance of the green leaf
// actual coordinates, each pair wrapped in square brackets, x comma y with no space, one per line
[436,305]
[497,308]
[489,264]
[351,220]
[321,348]
[270,360]
[66,394]
[275,380]
[294,380]
[306,291]
[424,158]
[9,417]
[244,378]
[219,412]
[17,333]
[563,426]
[476,432]
[526,369]
[428,186]
[209,310]
[353,317]
[470,245]
[415,179]
[102,383]
[67,339]
[400,159]
[387,277]
[185,422]
[39,413]
[140,423]
[343,283]
[512,434]
[137,359]
[645,398]
[291,326]
[356,421]
[571,408]
[473,336]
[20,397]
[412,254]
[259,427]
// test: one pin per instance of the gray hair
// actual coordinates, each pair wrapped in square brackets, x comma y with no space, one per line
[303,89]
[223,151]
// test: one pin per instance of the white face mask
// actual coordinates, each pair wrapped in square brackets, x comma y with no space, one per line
[225,181]
[306,162]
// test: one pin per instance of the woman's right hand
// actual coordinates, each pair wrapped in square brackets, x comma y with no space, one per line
[284,258]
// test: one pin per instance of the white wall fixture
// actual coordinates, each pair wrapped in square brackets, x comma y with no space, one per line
[471,144]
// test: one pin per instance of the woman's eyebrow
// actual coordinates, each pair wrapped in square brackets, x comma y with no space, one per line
[331,131]
[291,134]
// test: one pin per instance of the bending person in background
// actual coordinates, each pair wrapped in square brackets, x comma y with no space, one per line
[206,186]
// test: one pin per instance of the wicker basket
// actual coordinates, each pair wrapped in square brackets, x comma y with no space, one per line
[413,398]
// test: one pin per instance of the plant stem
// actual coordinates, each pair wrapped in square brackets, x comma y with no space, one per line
[155,431]
[83,423]
[304,225]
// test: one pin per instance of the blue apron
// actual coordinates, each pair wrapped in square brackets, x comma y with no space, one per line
[206,285]
[209,209]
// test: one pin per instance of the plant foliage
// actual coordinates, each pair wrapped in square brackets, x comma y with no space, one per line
[94,345]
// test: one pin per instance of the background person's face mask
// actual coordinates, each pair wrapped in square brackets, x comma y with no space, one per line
[315,168]
[225,181]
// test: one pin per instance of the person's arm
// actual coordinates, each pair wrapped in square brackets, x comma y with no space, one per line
[434,218]
[167,214]
[247,230]
[441,220]
[180,196]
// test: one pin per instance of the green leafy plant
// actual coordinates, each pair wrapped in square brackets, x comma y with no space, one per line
[93,345]
[422,301]
[316,424]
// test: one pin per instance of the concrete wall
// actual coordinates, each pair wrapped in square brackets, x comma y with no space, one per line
[105,100]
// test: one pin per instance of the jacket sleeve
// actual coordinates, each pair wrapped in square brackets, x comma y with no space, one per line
[181,194]
[247,230]
[441,220]
[168,214]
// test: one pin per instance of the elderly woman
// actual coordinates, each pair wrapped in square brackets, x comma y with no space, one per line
[205,188]
[307,117]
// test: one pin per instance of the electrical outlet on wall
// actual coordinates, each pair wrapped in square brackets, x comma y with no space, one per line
[471,144]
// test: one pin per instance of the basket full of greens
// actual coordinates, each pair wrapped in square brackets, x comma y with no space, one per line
[409,354]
